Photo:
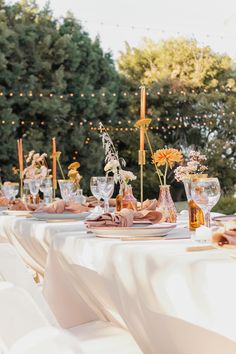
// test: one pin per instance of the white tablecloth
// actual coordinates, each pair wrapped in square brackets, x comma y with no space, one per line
[145,286]
[32,237]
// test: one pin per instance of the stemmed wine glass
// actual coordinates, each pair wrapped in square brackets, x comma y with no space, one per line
[94,187]
[11,190]
[46,189]
[106,188]
[34,185]
[206,193]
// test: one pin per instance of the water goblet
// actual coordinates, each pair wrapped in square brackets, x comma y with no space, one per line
[106,188]
[206,193]
[11,190]
[66,189]
[94,187]
[34,185]
[46,189]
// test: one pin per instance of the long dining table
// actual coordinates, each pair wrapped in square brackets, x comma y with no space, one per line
[163,291]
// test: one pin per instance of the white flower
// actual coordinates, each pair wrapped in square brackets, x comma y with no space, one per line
[127,176]
[112,166]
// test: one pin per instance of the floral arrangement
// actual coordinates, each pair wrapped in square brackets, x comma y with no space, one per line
[162,157]
[74,175]
[194,166]
[166,158]
[114,164]
[36,166]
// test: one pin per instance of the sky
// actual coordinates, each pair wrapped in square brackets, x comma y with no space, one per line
[211,22]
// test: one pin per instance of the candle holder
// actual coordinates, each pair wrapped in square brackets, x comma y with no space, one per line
[142,162]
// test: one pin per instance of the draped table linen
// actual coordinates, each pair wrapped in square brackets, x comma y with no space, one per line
[139,284]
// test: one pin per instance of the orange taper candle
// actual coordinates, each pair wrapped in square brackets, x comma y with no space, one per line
[142,115]
[54,163]
[20,156]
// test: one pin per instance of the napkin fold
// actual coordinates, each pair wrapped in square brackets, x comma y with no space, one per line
[124,218]
[226,237]
[3,201]
[57,207]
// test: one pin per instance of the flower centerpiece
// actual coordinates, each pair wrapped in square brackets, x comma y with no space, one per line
[37,167]
[114,165]
[74,175]
[163,160]
[194,168]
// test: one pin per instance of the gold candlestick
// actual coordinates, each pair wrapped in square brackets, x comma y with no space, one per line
[141,161]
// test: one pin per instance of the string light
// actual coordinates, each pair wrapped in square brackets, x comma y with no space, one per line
[164,92]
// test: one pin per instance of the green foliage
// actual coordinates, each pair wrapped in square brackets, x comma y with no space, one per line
[42,55]
[226,205]
[189,100]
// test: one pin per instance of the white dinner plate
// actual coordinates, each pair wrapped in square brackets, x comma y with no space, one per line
[17,212]
[63,216]
[141,230]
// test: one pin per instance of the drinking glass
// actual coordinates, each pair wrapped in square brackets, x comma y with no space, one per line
[66,189]
[46,189]
[94,187]
[206,193]
[106,188]
[11,190]
[34,185]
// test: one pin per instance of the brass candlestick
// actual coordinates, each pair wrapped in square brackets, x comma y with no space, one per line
[21,185]
[142,162]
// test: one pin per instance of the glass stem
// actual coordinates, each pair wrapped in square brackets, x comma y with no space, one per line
[207,217]
[106,206]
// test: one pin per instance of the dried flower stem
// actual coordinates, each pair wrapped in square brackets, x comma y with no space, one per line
[61,170]
[152,153]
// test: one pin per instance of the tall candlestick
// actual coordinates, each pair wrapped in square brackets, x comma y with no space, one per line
[54,165]
[142,139]
[142,115]
[21,164]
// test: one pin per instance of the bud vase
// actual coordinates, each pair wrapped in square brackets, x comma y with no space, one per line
[166,205]
[196,217]
[126,199]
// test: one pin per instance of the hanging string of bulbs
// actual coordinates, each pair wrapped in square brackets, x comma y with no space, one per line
[126,93]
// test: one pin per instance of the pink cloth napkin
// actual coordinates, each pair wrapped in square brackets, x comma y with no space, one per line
[20,205]
[4,201]
[124,218]
[226,237]
[150,204]
[59,207]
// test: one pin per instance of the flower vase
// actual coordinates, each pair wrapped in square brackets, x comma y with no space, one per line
[196,217]
[166,205]
[126,199]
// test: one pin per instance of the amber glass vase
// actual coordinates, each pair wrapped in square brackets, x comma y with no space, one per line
[166,205]
[126,199]
[196,217]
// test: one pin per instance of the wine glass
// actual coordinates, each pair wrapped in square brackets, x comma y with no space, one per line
[34,185]
[206,193]
[94,187]
[11,190]
[46,189]
[66,189]
[106,188]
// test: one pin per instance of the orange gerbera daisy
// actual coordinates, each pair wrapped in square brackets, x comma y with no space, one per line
[167,157]
[74,166]
[143,123]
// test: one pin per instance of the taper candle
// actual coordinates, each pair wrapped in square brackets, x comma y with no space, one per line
[54,163]
[142,115]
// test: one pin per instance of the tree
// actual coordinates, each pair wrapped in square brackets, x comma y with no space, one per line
[54,81]
[191,98]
